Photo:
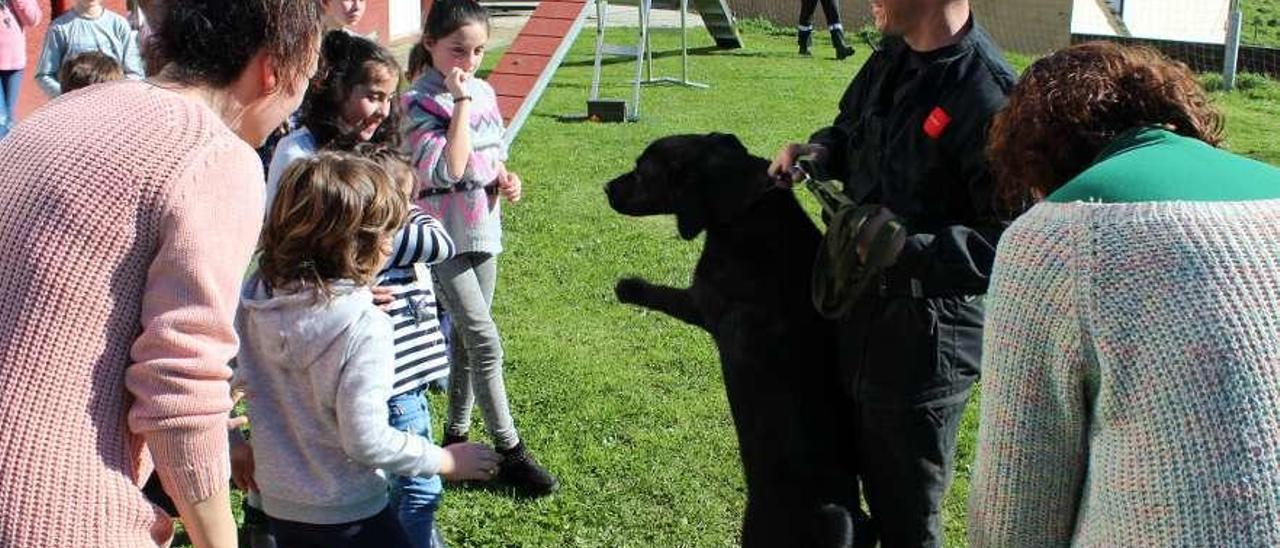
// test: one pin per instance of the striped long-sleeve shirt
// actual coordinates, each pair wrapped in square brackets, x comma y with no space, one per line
[419,344]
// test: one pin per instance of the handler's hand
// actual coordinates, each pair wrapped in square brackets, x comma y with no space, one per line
[382,297]
[780,170]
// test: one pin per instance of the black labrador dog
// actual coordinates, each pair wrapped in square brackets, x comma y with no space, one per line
[751,292]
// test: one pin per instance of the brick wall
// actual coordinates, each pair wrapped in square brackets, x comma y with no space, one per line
[1027,26]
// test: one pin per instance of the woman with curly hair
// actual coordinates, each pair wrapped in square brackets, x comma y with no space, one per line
[1132,352]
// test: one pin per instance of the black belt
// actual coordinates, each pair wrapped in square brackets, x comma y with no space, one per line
[460,187]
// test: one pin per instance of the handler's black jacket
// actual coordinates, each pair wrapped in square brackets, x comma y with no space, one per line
[911,135]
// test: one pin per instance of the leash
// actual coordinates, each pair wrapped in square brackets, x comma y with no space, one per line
[840,274]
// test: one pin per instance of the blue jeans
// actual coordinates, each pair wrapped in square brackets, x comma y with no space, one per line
[415,498]
[10,86]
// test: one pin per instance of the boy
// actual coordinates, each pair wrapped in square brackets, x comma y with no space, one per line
[87,69]
[88,27]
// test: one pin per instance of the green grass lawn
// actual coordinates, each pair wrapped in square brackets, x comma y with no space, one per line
[627,407]
[1261,22]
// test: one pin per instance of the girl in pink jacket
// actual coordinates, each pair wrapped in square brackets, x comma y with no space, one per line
[16,16]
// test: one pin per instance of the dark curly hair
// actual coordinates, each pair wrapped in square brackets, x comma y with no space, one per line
[348,61]
[210,42]
[1069,106]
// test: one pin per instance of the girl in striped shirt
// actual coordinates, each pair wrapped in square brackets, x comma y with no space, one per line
[420,352]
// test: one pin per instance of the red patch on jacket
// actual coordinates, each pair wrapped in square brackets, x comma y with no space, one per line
[936,123]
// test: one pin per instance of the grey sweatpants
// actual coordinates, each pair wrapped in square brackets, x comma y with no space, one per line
[466,285]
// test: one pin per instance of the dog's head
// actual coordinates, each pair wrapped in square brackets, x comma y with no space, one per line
[700,179]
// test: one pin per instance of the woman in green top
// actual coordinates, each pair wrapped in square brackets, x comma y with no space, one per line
[1131,359]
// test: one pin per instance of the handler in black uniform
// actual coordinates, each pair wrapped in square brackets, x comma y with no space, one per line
[910,136]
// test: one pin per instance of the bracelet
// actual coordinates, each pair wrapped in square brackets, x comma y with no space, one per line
[461,99]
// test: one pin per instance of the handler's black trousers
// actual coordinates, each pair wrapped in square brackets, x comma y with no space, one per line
[911,364]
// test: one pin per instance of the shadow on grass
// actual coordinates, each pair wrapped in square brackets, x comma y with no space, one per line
[704,51]
[493,488]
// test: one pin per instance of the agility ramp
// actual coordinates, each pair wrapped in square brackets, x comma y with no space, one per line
[525,70]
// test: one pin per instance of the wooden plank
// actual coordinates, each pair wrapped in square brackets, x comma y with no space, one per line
[547,27]
[535,45]
[527,65]
[509,106]
[513,85]
[558,10]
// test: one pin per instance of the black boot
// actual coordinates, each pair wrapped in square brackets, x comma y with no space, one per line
[843,50]
[519,470]
[805,37]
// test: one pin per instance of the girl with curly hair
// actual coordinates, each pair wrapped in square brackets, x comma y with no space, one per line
[1131,360]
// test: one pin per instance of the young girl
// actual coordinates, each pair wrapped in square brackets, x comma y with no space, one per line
[317,359]
[16,16]
[420,354]
[350,103]
[454,135]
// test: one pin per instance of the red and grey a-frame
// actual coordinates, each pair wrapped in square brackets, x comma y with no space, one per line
[526,68]
[524,71]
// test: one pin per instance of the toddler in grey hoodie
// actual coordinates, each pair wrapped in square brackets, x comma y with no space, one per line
[317,359]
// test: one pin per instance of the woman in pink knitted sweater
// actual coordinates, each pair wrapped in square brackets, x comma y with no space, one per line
[127,217]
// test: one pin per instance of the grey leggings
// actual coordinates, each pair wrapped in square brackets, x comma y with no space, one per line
[466,286]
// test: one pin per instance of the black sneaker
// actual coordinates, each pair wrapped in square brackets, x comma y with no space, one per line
[520,470]
[450,439]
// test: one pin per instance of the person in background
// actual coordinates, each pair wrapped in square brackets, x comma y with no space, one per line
[804,30]
[344,15]
[16,16]
[87,69]
[1131,359]
[87,27]
[125,233]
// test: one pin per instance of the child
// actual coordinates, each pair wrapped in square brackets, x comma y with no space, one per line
[317,359]
[16,16]
[418,66]
[87,27]
[419,345]
[454,135]
[418,62]
[86,69]
[343,15]
[350,104]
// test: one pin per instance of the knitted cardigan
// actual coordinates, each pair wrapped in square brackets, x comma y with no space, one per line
[1131,391]
[471,215]
[127,217]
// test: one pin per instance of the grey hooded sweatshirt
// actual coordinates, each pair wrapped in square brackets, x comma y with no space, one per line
[318,376]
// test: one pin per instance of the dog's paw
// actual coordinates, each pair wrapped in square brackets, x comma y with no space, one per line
[629,290]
